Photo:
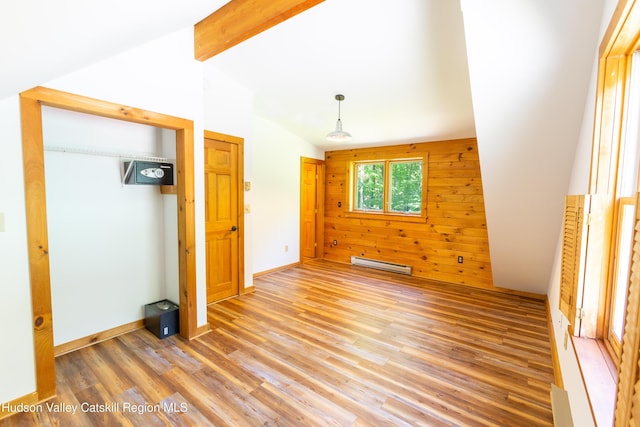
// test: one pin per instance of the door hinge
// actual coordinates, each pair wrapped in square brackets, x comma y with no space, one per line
[580,313]
[315,245]
[316,211]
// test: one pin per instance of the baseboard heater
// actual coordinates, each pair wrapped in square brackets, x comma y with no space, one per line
[560,407]
[381,265]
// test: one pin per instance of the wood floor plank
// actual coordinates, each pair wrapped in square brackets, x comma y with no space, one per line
[136,369]
[245,405]
[183,414]
[204,401]
[325,344]
[100,408]
[138,411]
[112,377]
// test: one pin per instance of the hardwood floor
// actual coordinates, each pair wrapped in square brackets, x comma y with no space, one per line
[323,344]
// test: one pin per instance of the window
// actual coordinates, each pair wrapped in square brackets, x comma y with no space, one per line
[388,187]
[369,194]
[624,215]
[611,262]
[405,182]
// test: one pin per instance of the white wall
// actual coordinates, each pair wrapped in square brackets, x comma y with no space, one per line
[272,165]
[533,85]
[16,357]
[228,109]
[106,240]
[170,213]
[276,198]
[579,184]
[530,64]
[161,76]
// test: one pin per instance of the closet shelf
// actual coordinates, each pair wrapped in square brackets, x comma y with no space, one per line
[168,189]
[92,152]
[164,189]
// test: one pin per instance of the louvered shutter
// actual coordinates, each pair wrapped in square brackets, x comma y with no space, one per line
[573,250]
[628,395]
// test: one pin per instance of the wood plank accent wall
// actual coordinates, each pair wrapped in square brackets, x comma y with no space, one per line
[455,224]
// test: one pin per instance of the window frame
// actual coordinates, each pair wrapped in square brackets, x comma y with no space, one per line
[620,41]
[386,213]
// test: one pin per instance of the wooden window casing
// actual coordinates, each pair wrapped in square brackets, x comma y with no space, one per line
[386,212]
[619,43]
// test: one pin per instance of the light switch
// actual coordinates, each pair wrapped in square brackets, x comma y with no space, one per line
[247,186]
[1,222]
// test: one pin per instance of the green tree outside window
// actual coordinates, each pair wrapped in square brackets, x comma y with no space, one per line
[369,186]
[399,181]
[406,187]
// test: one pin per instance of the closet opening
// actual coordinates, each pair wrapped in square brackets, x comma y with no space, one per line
[31,103]
[113,245]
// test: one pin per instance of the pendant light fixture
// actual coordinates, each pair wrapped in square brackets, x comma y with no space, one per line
[339,135]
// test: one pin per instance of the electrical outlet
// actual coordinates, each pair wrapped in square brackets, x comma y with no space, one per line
[460,259]
[286,248]
[335,243]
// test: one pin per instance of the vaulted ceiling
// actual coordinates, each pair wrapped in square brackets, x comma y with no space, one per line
[514,73]
[401,66]
[41,40]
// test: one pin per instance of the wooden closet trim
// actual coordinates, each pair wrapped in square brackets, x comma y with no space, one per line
[31,103]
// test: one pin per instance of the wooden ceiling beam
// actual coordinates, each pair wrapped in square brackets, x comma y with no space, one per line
[240,20]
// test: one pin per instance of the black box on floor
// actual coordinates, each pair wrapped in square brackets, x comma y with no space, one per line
[161,318]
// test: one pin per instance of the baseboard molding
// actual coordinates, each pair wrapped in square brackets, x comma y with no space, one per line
[17,405]
[200,331]
[273,270]
[532,295]
[70,346]
[555,359]
[248,290]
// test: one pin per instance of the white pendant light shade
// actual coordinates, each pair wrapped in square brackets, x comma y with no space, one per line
[339,135]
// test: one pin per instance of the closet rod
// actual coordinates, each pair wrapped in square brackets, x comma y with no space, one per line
[76,150]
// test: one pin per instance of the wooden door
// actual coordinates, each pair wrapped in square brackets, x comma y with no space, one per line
[309,210]
[221,219]
[311,206]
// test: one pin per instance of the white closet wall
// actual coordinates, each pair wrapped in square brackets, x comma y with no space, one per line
[111,246]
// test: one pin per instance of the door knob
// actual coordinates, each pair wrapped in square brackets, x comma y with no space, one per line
[234,228]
